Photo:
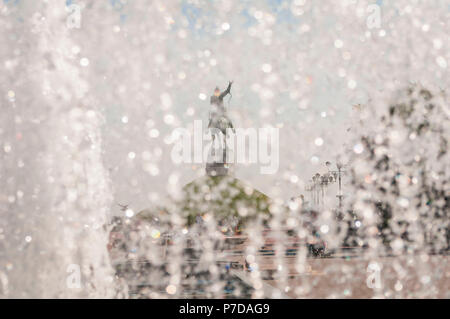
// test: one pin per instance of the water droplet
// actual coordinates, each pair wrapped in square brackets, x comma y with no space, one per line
[84,61]
[129,213]
[171,289]
[318,141]
[338,43]
[266,68]
[351,84]
[324,229]
[225,26]
[441,62]
[358,148]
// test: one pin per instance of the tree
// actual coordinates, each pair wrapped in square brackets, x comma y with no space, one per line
[399,175]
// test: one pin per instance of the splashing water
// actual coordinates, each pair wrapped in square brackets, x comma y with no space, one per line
[58,189]
[92,92]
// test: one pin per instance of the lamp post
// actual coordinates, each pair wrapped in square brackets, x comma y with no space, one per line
[318,183]
[338,175]
[340,195]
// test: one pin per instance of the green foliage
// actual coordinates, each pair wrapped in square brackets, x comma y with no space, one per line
[402,176]
[223,196]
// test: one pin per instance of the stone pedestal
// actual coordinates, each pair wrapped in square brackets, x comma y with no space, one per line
[216,169]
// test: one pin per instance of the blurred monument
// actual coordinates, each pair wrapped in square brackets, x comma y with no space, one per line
[219,122]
